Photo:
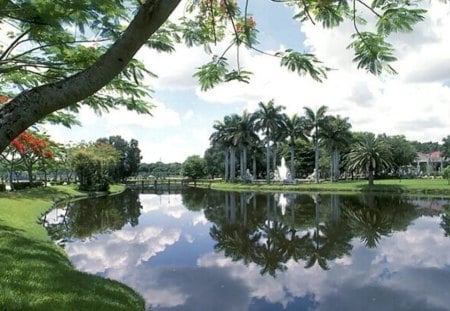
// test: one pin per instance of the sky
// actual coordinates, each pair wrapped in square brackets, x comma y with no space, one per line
[414,103]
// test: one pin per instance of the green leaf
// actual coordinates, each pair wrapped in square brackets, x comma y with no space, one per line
[241,76]
[212,73]
[303,63]
[397,19]
[373,53]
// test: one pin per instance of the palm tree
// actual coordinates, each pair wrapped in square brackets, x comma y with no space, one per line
[336,136]
[315,122]
[295,129]
[244,136]
[269,119]
[220,137]
[228,136]
[369,154]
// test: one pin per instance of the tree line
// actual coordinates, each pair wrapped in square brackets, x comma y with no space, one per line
[93,165]
[315,145]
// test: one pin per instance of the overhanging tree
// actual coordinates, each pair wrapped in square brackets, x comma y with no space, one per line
[47,69]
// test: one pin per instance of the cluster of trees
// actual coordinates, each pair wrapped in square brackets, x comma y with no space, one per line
[309,142]
[159,169]
[94,165]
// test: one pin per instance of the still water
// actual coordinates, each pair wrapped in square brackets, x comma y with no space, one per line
[206,250]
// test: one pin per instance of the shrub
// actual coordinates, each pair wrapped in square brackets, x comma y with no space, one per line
[446,173]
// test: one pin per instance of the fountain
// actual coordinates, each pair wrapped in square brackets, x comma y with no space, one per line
[283,174]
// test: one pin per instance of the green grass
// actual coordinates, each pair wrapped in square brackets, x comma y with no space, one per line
[419,186]
[35,274]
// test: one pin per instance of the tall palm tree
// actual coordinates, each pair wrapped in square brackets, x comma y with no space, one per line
[234,137]
[226,135]
[244,136]
[369,154]
[295,129]
[269,119]
[315,122]
[220,137]
[336,137]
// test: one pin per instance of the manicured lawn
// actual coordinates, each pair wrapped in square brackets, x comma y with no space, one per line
[35,274]
[419,186]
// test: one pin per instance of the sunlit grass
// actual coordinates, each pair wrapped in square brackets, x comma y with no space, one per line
[35,274]
[420,186]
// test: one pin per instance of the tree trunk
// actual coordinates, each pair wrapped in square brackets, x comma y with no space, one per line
[275,151]
[227,164]
[316,160]
[244,162]
[11,171]
[267,161]
[31,106]
[292,162]
[232,164]
[335,165]
[30,174]
[255,175]
[241,164]
[370,177]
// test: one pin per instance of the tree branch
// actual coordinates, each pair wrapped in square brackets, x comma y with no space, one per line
[31,106]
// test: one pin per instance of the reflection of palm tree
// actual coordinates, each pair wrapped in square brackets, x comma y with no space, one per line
[370,224]
[273,253]
[329,240]
[237,241]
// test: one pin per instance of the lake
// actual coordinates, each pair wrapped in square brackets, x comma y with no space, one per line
[210,250]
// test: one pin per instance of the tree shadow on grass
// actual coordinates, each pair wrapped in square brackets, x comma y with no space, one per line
[36,275]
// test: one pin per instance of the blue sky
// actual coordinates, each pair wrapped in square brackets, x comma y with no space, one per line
[414,103]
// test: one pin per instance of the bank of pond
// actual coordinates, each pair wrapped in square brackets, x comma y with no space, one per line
[221,250]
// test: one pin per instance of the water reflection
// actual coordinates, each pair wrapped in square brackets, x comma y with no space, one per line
[85,218]
[204,250]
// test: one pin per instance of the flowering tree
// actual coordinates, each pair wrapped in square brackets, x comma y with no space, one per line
[27,149]
[33,148]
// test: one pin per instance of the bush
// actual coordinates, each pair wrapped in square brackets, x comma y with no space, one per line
[446,173]
[25,185]
[2,187]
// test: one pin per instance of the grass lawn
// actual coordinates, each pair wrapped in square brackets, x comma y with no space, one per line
[35,274]
[413,186]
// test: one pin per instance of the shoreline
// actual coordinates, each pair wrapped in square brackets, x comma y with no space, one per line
[439,187]
[35,273]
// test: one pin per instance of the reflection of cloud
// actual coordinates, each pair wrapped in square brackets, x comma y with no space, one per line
[170,205]
[126,248]
[195,288]
[199,219]
[414,247]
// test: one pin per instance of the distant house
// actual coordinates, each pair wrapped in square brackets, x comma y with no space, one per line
[427,163]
